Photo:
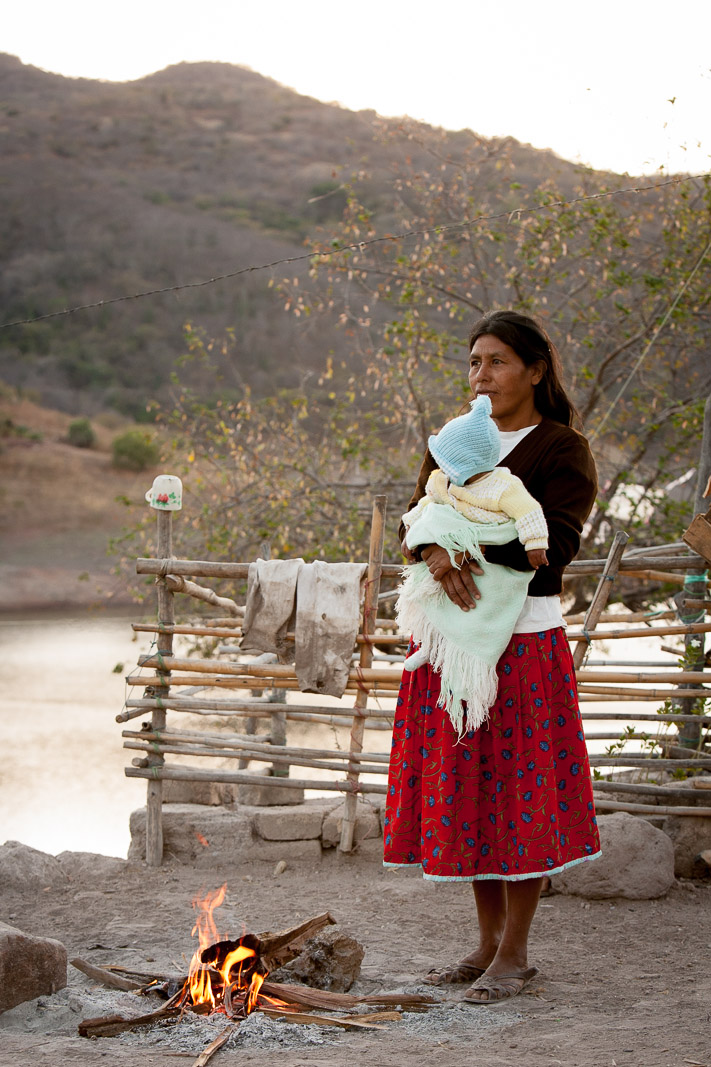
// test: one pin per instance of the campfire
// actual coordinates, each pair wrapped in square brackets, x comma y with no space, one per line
[224,975]
[230,978]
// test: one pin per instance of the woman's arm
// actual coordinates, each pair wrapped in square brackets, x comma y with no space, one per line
[565,483]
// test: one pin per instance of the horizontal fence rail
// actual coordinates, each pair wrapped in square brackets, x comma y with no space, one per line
[225,690]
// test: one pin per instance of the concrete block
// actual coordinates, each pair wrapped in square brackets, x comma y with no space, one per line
[195,834]
[29,966]
[288,824]
[291,851]
[212,794]
[367,825]
[264,796]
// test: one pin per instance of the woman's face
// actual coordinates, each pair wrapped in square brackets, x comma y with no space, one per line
[496,370]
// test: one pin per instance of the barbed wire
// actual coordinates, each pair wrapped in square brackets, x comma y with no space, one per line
[326,253]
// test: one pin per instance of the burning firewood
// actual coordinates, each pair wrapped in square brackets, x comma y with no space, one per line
[322,998]
[230,977]
[278,949]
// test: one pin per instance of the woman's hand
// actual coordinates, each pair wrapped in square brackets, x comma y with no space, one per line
[407,552]
[459,585]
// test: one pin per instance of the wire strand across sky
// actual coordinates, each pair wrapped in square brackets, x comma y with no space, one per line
[332,252]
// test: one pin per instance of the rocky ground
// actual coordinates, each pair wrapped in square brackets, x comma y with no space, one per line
[622,982]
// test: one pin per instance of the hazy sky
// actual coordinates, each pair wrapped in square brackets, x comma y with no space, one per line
[594,82]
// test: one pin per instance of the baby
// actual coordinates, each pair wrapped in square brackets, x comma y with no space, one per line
[469,502]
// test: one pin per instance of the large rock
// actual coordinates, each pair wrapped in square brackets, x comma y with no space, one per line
[29,966]
[90,867]
[330,960]
[22,867]
[637,862]
[690,836]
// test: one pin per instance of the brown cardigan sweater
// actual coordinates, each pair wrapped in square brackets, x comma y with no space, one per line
[555,464]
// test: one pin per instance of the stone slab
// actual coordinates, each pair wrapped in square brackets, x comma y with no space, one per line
[212,794]
[195,834]
[288,824]
[367,825]
[30,966]
[290,851]
[208,837]
[264,796]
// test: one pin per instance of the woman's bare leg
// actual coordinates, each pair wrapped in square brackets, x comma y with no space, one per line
[521,902]
[505,911]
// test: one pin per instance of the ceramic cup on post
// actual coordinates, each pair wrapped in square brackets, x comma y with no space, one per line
[166,493]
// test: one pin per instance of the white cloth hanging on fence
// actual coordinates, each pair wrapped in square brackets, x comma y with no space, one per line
[271,594]
[328,600]
[321,602]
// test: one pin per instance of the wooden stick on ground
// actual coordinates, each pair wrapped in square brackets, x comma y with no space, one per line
[345,1022]
[214,1046]
[107,978]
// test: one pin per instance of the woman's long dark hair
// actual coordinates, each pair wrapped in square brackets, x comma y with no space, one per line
[532,344]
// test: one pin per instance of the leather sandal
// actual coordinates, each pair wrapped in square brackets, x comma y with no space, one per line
[498,987]
[457,973]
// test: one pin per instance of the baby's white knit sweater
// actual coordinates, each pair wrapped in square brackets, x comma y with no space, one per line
[495,498]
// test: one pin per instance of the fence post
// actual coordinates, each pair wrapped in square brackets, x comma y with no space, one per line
[370,608]
[695,588]
[164,641]
[602,594]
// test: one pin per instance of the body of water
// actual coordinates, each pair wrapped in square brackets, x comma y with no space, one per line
[62,781]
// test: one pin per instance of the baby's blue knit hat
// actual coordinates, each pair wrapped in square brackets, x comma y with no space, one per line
[469,444]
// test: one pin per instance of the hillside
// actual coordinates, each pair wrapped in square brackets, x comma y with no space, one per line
[59,506]
[111,189]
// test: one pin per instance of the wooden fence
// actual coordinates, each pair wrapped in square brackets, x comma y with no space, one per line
[193,685]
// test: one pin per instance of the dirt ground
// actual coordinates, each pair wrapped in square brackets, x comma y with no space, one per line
[621,982]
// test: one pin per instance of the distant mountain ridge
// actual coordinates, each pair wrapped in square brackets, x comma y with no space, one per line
[201,169]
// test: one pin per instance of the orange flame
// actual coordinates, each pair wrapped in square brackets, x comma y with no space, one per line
[200,985]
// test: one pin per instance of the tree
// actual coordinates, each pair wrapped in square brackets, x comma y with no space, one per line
[603,268]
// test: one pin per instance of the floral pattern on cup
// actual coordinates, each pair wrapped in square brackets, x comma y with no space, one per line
[166,493]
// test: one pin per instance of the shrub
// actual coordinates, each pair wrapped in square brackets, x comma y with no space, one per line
[135,450]
[81,434]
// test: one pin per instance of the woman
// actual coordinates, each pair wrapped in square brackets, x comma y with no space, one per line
[512,802]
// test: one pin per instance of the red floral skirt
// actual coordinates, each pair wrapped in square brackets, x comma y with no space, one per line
[510,800]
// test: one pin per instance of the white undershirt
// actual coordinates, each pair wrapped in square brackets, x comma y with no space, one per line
[538,612]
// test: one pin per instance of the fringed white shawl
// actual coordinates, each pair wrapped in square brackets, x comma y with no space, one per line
[463,646]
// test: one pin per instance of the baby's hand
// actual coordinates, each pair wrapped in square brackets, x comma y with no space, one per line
[537,558]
